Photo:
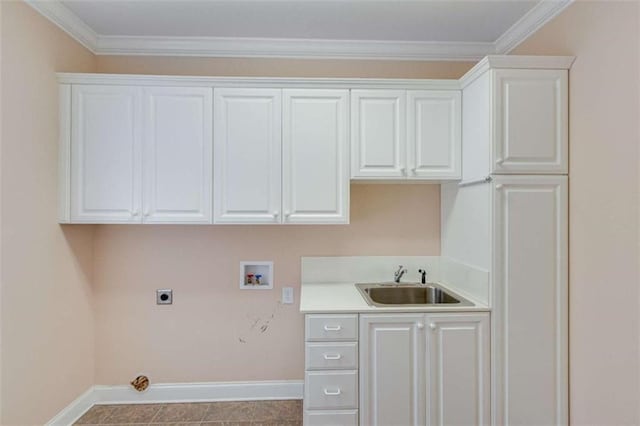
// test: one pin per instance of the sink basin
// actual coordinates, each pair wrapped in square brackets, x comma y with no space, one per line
[390,294]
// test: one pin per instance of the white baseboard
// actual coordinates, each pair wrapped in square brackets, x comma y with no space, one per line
[73,411]
[179,392]
[199,392]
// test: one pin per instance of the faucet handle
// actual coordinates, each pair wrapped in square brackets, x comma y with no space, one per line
[423,273]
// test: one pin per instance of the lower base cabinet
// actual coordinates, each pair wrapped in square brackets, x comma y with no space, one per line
[412,369]
[424,369]
[459,369]
[393,368]
[331,370]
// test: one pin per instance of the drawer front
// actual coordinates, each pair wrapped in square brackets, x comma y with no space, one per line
[331,356]
[331,418]
[331,390]
[331,327]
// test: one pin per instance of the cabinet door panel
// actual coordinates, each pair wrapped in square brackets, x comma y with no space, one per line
[247,155]
[177,157]
[315,156]
[458,385]
[530,300]
[106,168]
[378,133]
[434,134]
[530,127]
[392,367]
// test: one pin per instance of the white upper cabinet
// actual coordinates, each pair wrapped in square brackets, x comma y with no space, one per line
[530,121]
[140,155]
[106,154]
[406,134]
[515,116]
[315,156]
[434,123]
[281,156]
[151,149]
[177,155]
[378,133]
[247,155]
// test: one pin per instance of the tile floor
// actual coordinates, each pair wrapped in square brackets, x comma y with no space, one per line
[245,413]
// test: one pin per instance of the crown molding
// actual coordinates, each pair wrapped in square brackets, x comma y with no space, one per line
[291,48]
[229,47]
[68,21]
[531,22]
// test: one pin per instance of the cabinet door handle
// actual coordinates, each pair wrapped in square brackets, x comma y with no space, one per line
[147,213]
[332,393]
[276,214]
[499,161]
[135,213]
[413,170]
[332,328]
[420,325]
[432,326]
[330,357]
[403,171]
[499,186]
[287,214]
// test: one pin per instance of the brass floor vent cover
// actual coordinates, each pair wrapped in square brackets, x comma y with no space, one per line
[140,383]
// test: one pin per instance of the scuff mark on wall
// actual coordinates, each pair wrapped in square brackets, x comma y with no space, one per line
[259,324]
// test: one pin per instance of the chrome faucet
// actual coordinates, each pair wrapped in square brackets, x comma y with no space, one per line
[399,273]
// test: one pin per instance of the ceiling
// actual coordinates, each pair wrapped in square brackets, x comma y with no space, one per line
[396,29]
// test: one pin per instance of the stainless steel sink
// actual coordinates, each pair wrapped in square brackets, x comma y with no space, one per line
[413,294]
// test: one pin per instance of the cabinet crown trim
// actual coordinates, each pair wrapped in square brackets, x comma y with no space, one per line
[257,82]
[516,62]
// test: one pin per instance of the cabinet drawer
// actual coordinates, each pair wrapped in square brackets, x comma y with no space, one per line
[335,389]
[331,327]
[331,356]
[331,418]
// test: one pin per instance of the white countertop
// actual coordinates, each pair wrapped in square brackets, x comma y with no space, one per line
[344,297]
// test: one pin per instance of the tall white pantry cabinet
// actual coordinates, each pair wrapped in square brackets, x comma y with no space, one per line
[509,216]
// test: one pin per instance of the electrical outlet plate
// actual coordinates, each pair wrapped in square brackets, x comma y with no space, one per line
[164,297]
[287,295]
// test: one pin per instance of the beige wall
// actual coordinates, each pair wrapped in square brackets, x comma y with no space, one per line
[603,202]
[198,337]
[47,319]
[1,137]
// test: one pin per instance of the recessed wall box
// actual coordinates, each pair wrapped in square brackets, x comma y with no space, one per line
[256,275]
